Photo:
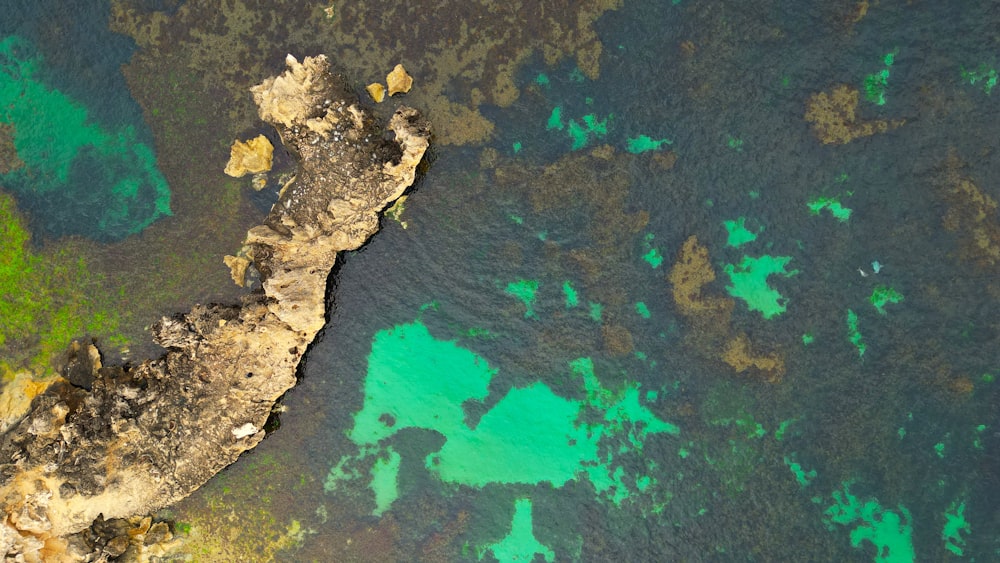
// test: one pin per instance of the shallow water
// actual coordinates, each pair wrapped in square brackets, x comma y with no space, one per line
[513,374]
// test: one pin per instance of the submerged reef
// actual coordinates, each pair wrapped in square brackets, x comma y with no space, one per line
[710,316]
[834,117]
[117,442]
[972,214]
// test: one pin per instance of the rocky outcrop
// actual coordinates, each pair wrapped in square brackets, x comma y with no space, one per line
[249,157]
[125,441]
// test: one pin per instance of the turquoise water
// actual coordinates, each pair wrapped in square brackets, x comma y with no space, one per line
[521,372]
[856,454]
[87,166]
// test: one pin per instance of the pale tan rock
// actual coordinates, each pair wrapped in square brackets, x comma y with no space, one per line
[237,268]
[16,395]
[250,157]
[399,81]
[147,435]
[376,91]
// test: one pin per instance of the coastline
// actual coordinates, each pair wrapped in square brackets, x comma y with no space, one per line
[144,436]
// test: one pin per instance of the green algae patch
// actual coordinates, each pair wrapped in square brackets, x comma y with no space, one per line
[803,477]
[644,143]
[890,532]
[653,257]
[417,381]
[642,310]
[555,120]
[955,525]
[396,211]
[530,436]
[883,295]
[876,84]
[737,233]
[46,299]
[651,254]
[572,297]
[854,334]
[641,421]
[525,291]
[384,481]
[983,75]
[582,132]
[596,311]
[779,432]
[749,283]
[82,178]
[625,421]
[832,205]
[520,544]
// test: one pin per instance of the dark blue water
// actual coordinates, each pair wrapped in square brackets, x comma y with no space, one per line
[908,426]
[878,447]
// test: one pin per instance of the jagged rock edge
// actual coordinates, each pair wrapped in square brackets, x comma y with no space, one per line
[148,435]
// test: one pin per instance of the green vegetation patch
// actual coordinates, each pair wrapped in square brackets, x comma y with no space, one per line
[644,143]
[525,291]
[651,254]
[875,84]
[831,204]
[738,233]
[385,471]
[955,525]
[589,127]
[853,333]
[883,295]
[890,532]
[982,74]
[520,544]
[45,299]
[803,477]
[642,310]
[572,297]
[530,436]
[749,283]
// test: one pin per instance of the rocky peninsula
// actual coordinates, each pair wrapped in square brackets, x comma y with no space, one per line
[119,442]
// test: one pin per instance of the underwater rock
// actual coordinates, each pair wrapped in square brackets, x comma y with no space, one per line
[713,334]
[145,436]
[971,213]
[834,117]
[250,157]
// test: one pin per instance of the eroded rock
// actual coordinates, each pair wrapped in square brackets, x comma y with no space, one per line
[249,157]
[145,436]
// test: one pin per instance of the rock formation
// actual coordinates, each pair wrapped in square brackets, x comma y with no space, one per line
[116,442]
[249,157]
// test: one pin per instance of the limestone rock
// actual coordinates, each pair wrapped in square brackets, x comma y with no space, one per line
[250,157]
[399,81]
[237,268]
[145,436]
[376,91]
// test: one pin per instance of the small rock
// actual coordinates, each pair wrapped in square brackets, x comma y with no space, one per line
[376,91]
[398,81]
[249,157]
